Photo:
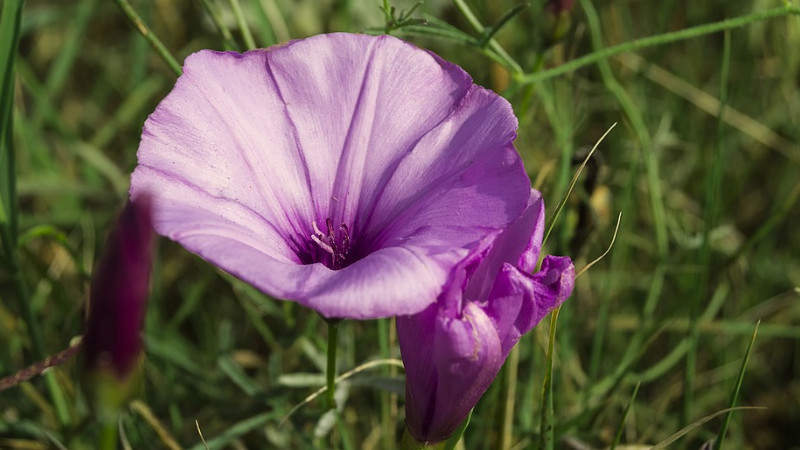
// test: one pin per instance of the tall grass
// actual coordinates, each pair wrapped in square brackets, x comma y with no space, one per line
[704,165]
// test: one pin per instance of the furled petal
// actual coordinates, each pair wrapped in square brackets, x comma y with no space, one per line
[519,244]
[450,362]
[518,301]
[453,350]
[249,151]
[119,291]
[554,282]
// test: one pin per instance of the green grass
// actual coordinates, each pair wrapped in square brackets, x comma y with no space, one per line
[704,164]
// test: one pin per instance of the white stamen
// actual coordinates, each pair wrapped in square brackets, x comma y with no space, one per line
[322,244]
[317,231]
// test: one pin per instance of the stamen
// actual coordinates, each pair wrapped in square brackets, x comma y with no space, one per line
[345,239]
[324,246]
[317,231]
[338,248]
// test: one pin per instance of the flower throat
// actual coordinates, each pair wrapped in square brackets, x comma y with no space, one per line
[337,247]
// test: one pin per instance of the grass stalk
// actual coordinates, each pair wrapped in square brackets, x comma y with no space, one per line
[659,39]
[9,42]
[510,371]
[621,427]
[330,373]
[475,23]
[736,389]
[634,115]
[713,186]
[247,36]
[546,430]
[224,31]
[387,424]
[267,31]
[154,41]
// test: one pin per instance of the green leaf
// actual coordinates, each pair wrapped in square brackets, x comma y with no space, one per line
[451,442]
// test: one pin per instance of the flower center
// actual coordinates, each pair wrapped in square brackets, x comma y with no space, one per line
[337,246]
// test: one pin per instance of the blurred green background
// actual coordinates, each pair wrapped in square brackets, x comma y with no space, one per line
[707,245]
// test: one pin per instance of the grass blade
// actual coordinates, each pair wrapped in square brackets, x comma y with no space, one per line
[625,416]
[689,428]
[9,41]
[547,440]
[736,389]
[154,41]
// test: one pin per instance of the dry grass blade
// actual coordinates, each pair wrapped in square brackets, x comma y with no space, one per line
[610,245]
[342,377]
[572,184]
[688,428]
[711,105]
[143,410]
[197,424]
[39,367]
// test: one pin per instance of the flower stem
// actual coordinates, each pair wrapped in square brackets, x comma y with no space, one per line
[108,436]
[333,328]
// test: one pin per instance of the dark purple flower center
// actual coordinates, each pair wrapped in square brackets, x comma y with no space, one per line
[337,245]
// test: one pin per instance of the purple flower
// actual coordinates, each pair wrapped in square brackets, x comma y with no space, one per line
[112,344]
[119,291]
[349,173]
[453,349]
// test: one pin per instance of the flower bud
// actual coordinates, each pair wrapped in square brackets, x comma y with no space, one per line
[112,345]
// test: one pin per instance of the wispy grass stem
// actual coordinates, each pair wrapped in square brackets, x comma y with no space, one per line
[660,39]
[154,41]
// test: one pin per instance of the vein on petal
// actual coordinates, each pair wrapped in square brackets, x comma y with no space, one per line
[298,145]
[298,228]
[175,178]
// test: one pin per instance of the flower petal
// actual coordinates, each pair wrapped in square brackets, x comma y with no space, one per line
[521,243]
[518,301]
[248,151]
[450,362]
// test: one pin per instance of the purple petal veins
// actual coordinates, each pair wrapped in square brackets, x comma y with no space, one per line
[349,173]
[453,350]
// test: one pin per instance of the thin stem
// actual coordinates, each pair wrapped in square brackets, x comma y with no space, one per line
[240,20]
[547,441]
[156,43]
[333,328]
[660,39]
[227,37]
[388,436]
[504,58]
[108,436]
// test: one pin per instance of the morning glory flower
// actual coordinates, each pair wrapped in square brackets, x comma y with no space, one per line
[112,343]
[349,173]
[453,350]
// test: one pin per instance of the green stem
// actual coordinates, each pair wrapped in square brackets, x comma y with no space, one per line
[388,436]
[408,442]
[333,328]
[546,432]
[10,23]
[240,20]
[216,17]
[635,117]
[156,43]
[504,57]
[108,436]
[35,333]
[660,39]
